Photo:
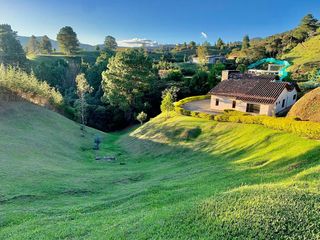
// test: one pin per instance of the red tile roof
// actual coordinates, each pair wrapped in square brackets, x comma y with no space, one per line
[256,90]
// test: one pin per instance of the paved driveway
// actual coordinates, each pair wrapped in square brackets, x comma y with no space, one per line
[200,106]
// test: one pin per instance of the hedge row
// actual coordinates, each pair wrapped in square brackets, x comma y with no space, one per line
[180,110]
[287,124]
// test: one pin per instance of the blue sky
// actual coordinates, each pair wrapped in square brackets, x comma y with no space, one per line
[164,21]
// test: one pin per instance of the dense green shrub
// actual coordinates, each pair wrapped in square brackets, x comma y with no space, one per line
[29,87]
[206,116]
[194,114]
[180,110]
[190,99]
[287,124]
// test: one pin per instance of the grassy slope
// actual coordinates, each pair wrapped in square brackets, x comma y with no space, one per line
[229,180]
[308,107]
[305,56]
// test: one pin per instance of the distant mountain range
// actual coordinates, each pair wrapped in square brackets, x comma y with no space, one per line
[24,41]
[135,42]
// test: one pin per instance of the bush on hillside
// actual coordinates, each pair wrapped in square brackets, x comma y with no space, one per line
[287,124]
[29,87]
[180,110]
[190,99]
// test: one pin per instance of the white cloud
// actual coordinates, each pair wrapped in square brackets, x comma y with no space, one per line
[137,42]
[203,34]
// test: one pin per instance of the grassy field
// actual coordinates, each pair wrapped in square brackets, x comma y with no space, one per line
[176,178]
[87,56]
[305,56]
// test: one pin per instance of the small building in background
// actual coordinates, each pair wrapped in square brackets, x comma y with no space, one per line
[211,59]
[273,69]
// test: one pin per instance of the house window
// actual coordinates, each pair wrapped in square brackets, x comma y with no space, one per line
[294,97]
[217,101]
[234,104]
[253,108]
[283,102]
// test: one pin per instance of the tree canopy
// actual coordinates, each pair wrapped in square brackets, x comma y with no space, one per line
[245,42]
[11,51]
[33,45]
[202,52]
[128,81]
[82,89]
[220,44]
[110,43]
[67,40]
[45,45]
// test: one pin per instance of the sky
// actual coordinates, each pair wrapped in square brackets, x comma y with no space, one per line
[164,21]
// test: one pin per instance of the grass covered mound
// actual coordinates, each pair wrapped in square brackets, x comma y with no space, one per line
[308,107]
[179,178]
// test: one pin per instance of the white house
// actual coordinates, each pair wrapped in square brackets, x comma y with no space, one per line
[255,95]
[212,59]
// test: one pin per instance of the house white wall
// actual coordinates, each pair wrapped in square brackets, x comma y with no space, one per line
[288,96]
[211,60]
[226,103]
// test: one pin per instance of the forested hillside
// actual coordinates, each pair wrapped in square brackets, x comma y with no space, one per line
[305,56]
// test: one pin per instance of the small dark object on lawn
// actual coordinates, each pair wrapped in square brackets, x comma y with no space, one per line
[97,142]
[106,158]
[122,163]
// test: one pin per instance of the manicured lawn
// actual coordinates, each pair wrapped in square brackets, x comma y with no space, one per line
[180,178]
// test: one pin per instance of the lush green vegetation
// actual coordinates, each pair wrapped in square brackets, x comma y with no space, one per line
[27,86]
[179,178]
[276,45]
[11,51]
[288,124]
[305,57]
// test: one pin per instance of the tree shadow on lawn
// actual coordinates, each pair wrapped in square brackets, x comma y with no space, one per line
[185,166]
[170,177]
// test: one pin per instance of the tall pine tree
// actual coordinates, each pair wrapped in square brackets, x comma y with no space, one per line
[45,45]
[67,40]
[11,51]
[245,42]
[33,45]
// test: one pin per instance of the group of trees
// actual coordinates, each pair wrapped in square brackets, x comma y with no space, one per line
[278,44]
[68,43]
[35,47]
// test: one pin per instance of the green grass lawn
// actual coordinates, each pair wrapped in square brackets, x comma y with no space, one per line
[179,178]
[87,56]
